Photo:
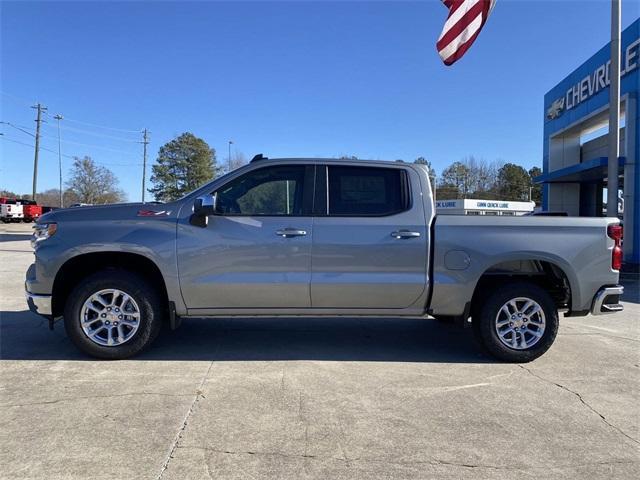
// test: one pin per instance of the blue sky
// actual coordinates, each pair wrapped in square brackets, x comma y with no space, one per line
[283,79]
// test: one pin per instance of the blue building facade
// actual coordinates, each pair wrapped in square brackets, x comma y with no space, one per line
[575,156]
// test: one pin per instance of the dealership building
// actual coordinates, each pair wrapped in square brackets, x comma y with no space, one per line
[576,142]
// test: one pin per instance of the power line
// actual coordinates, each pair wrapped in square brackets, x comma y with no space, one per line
[90,145]
[72,157]
[95,134]
[18,127]
[101,126]
[19,100]
[16,141]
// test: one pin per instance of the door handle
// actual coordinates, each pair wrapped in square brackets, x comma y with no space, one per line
[291,232]
[404,234]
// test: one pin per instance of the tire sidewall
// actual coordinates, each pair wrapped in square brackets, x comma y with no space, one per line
[485,328]
[138,288]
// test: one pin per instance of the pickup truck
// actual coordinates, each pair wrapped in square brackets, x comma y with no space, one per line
[318,237]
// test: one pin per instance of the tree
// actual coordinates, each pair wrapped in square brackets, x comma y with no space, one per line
[51,197]
[513,182]
[183,164]
[455,180]
[8,194]
[92,183]
[536,188]
[431,171]
[238,160]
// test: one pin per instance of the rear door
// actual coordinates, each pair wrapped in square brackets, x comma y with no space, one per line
[370,242]
[256,251]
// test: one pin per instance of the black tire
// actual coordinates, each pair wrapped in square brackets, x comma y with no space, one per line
[148,300]
[484,323]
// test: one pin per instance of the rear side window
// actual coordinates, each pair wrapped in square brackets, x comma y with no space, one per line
[367,191]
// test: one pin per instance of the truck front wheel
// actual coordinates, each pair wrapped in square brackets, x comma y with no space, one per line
[113,314]
[517,323]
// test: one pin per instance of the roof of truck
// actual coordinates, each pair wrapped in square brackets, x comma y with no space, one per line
[260,158]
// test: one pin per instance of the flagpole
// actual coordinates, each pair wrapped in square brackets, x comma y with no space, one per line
[614,112]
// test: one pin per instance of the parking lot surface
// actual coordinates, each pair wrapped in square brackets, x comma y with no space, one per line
[350,398]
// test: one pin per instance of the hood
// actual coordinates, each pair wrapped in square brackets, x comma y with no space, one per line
[116,211]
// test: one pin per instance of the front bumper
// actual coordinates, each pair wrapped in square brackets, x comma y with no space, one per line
[607,300]
[40,304]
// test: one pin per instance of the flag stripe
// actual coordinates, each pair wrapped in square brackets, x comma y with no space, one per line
[457,28]
[456,14]
[466,36]
[463,25]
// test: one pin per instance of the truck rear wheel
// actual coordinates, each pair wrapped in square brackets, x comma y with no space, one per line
[517,323]
[113,314]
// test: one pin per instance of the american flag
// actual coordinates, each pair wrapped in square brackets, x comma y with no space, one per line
[466,19]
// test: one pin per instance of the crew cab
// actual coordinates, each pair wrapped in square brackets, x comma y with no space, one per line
[318,237]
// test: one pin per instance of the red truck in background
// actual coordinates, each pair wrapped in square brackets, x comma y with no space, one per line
[31,210]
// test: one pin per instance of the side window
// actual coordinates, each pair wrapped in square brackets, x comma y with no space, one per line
[367,191]
[269,191]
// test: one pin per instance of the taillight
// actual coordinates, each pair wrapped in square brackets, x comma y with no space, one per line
[615,232]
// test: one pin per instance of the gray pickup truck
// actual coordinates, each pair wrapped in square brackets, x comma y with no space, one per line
[318,237]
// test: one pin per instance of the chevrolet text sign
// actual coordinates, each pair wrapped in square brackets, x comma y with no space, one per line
[595,82]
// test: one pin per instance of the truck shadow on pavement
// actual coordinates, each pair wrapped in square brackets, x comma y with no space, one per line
[23,336]
[15,237]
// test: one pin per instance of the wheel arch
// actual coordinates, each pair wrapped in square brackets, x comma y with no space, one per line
[544,273]
[80,266]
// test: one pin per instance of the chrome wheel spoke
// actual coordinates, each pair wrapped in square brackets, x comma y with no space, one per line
[90,321]
[502,323]
[523,341]
[94,333]
[119,317]
[98,298]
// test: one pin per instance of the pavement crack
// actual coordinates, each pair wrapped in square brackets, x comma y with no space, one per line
[89,397]
[583,401]
[198,395]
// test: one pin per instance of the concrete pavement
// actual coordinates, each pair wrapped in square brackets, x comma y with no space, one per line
[380,398]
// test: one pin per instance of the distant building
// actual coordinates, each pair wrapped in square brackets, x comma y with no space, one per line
[483,207]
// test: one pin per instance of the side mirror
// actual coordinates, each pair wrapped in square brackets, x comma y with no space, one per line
[203,207]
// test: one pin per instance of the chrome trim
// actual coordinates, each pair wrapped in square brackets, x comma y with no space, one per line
[40,304]
[599,307]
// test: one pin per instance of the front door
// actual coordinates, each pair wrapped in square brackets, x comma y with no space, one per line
[256,251]
[370,241]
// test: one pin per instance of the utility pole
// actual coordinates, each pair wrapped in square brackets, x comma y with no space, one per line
[40,109]
[59,117]
[614,112]
[145,142]
[230,143]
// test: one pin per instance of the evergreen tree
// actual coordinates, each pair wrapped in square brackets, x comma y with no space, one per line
[513,182]
[183,164]
[536,190]
[430,169]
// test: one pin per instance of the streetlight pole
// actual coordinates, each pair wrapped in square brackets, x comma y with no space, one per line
[230,143]
[59,117]
[614,112]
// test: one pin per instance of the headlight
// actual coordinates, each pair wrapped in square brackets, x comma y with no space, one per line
[42,231]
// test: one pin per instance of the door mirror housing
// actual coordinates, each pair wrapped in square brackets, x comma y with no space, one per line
[203,206]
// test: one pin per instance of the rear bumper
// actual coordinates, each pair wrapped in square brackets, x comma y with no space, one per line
[40,304]
[607,300]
